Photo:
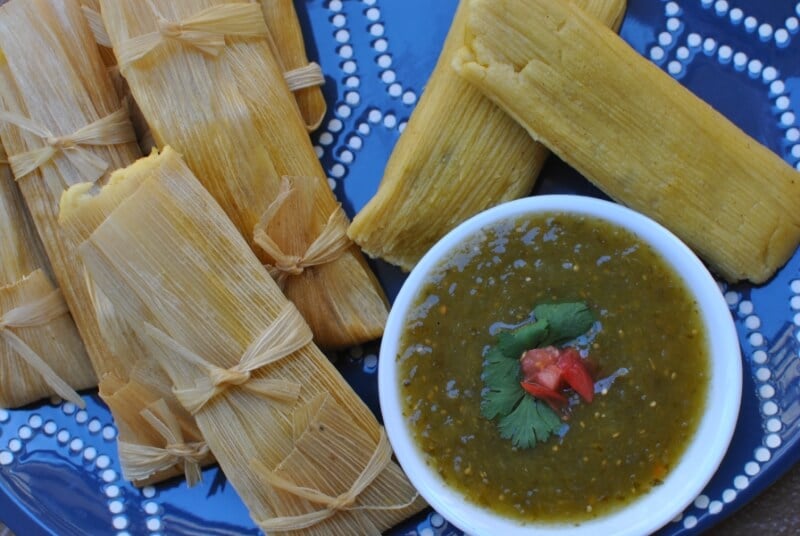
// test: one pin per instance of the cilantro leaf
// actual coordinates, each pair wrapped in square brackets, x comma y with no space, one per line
[513,343]
[500,370]
[501,377]
[565,320]
[530,422]
[501,400]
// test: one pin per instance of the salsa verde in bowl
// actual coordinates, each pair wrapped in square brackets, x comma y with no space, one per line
[558,365]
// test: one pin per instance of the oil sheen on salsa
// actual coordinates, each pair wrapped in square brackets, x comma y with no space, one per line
[649,340]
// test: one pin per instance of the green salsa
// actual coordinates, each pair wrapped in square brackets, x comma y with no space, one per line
[648,345]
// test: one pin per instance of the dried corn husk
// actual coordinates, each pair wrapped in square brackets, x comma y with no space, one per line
[21,250]
[594,101]
[145,452]
[91,11]
[241,358]
[40,351]
[240,131]
[157,438]
[459,154]
[304,78]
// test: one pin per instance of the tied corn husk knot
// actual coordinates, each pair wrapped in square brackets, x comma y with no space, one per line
[37,313]
[113,129]
[307,76]
[142,461]
[331,243]
[330,505]
[205,31]
[287,334]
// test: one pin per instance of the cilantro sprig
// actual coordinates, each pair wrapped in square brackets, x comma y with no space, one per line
[522,418]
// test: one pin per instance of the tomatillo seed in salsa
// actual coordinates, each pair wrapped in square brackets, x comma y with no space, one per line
[648,349]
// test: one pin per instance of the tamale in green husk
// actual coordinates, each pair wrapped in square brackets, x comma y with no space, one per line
[303,77]
[241,132]
[636,133]
[302,450]
[459,154]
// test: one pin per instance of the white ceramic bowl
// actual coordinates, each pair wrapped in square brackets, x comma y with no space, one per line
[704,453]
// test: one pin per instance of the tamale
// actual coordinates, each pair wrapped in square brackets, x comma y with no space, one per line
[304,78]
[459,154]
[148,454]
[67,93]
[241,359]
[240,131]
[52,341]
[593,100]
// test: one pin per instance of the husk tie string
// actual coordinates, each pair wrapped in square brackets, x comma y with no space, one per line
[284,336]
[38,312]
[115,128]
[307,76]
[331,243]
[205,31]
[331,505]
[142,461]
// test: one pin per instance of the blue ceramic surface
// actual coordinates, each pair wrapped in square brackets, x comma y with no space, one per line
[59,472]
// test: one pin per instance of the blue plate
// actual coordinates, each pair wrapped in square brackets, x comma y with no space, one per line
[59,472]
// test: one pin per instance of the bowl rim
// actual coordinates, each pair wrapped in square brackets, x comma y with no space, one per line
[703,454]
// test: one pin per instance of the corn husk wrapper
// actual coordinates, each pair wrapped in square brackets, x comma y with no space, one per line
[592,99]
[91,11]
[147,454]
[148,414]
[21,250]
[240,131]
[304,78]
[241,358]
[41,353]
[459,154]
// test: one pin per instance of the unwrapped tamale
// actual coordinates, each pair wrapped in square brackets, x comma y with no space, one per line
[459,154]
[302,450]
[205,77]
[636,133]
[303,78]
[34,339]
